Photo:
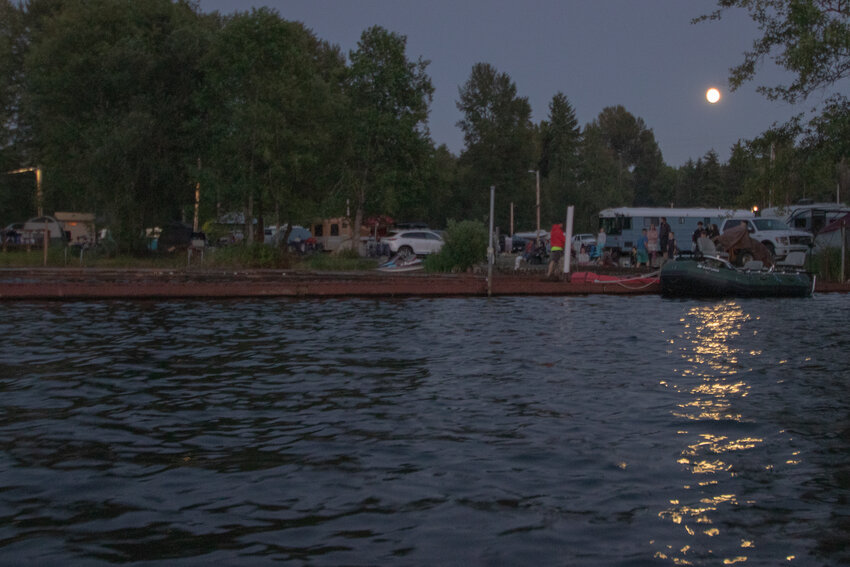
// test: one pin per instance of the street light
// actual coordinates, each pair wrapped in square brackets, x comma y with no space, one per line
[38,203]
[536,172]
[37,170]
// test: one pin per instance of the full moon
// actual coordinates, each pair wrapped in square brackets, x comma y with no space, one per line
[712,95]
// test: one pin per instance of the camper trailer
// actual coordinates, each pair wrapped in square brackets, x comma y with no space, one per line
[78,227]
[333,234]
[814,217]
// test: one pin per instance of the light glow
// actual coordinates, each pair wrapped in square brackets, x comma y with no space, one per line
[712,95]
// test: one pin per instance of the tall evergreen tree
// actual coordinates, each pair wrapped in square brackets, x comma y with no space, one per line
[499,148]
[559,162]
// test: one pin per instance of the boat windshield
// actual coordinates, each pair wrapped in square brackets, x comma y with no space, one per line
[770,224]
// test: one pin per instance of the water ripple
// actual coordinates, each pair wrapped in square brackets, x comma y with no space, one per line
[581,431]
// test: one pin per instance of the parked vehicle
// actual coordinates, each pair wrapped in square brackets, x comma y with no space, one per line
[409,242]
[623,225]
[584,239]
[777,236]
[12,233]
[814,217]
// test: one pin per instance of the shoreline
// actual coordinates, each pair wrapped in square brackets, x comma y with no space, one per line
[67,284]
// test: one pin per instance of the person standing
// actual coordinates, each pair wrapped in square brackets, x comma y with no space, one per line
[641,256]
[652,244]
[663,236]
[713,231]
[696,236]
[601,237]
[671,250]
[557,240]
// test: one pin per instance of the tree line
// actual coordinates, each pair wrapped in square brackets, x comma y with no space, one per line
[129,107]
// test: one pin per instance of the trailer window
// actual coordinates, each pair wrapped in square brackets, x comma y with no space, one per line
[615,225]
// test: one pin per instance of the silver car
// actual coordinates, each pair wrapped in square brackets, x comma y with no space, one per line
[415,241]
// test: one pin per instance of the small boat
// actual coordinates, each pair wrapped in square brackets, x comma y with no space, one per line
[711,276]
[402,263]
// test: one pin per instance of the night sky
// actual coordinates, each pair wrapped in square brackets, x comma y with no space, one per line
[643,55]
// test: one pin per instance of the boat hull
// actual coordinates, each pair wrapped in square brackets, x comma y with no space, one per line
[691,278]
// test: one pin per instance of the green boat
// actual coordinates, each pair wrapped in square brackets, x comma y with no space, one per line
[709,276]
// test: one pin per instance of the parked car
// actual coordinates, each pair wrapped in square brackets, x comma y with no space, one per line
[407,242]
[584,239]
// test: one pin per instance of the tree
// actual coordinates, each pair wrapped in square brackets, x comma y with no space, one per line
[269,105]
[108,87]
[634,147]
[809,38]
[442,179]
[736,175]
[387,134]
[499,148]
[599,179]
[710,179]
[559,163]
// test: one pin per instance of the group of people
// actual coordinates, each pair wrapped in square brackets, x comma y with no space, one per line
[558,242]
[655,243]
[710,232]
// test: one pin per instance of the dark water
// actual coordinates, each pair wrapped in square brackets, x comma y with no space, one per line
[511,431]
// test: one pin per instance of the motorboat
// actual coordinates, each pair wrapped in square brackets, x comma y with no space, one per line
[402,263]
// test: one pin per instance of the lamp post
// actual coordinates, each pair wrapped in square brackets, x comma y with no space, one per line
[38,203]
[536,172]
[38,197]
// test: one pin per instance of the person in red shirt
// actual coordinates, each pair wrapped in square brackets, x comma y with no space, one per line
[557,241]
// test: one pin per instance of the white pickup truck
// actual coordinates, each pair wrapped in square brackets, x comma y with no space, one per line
[774,233]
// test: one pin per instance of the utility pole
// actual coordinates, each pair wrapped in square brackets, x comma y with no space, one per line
[536,172]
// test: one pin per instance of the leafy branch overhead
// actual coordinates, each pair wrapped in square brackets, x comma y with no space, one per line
[809,38]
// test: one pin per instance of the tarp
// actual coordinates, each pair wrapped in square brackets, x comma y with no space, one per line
[737,240]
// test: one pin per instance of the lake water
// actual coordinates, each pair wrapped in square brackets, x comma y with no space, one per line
[465,431]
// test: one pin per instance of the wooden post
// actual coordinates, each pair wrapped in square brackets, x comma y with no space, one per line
[490,254]
[568,244]
[46,241]
[841,277]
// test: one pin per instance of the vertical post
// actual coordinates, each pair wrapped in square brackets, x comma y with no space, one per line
[770,178]
[537,175]
[512,219]
[568,246]
[490,247]
[197,198]
[46,241]
[843,250]
[38,194]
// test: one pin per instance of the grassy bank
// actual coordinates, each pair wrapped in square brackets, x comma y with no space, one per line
[257,256]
